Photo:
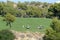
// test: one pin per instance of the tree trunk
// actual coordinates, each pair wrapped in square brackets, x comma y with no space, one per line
[10,24]
[7,23]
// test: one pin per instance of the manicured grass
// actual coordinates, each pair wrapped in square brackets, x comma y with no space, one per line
[32,22]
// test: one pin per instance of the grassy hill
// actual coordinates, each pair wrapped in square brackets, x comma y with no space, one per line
[32,22]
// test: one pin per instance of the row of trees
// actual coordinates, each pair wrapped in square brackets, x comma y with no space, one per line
[26,9]
[30,9]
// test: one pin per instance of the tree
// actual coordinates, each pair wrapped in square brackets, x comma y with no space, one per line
[50,34]
[9,19]
[22,13]
[54,32]
[22,6]
[32,11]
[55,8]
[2,5]
[55,25]
[45,12]
[6,35]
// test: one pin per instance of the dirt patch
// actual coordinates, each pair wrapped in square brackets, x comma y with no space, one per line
[28,35]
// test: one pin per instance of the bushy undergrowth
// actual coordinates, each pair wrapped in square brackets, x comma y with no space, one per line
[6,35]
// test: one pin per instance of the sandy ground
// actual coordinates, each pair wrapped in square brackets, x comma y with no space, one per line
[28,35]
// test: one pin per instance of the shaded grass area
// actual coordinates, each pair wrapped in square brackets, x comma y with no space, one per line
[32,22]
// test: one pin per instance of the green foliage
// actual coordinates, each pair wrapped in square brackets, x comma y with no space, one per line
[56,25]
[22,6]
[9,17]
[6,35]
[50,34]
[2,12]
[24,9]
[54,33]
[55,8]
[30,9]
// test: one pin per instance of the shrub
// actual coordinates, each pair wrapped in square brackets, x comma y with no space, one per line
[6,35]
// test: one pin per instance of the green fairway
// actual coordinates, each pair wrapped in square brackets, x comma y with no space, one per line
[32,22]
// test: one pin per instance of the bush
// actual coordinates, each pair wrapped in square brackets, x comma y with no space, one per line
[6,35]
[54,32]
